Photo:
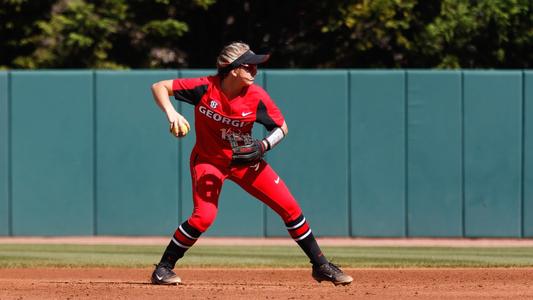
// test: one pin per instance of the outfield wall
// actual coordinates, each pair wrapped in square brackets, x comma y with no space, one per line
[370,153]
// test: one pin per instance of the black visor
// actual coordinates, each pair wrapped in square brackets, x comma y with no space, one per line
[248,57]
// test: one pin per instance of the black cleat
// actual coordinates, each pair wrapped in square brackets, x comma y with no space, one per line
[163,274]
[330,272]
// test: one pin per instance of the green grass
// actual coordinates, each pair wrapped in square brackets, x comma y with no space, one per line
[12,256]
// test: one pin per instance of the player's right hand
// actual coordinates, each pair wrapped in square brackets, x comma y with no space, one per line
[179,127]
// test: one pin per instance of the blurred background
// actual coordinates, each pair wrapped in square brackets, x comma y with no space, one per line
[118,34]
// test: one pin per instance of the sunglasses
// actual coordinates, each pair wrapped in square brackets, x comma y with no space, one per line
[248,68]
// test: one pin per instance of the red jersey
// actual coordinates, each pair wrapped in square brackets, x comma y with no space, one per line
[218,121]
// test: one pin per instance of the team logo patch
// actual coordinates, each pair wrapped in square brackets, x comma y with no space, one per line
[213,104]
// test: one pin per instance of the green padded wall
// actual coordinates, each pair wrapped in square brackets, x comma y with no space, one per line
[399,153]
[137,160]
[52,152]
[528,155]
[312,159]
[434,158]
[239,214]
[492,153]
[377,150]
[4,155]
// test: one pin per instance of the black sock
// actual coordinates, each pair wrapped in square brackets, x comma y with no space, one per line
[301,232]
[311,248]
[184,237]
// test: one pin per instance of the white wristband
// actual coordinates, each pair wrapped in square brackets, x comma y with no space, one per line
[274,137]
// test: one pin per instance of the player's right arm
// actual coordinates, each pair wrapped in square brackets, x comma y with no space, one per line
[162,91]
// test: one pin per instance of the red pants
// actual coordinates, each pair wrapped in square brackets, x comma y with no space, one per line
[259,180]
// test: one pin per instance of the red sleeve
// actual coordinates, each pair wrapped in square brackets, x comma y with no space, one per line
[190,90]
[268,113]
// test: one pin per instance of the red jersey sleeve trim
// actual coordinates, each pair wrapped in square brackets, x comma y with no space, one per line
[190,90]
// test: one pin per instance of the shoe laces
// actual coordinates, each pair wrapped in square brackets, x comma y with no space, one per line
[166,268]
[334,268]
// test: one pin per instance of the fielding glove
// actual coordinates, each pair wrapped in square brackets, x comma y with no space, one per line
[249,153]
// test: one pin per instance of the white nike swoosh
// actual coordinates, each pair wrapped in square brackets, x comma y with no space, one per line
[277,180]
[244,114]
[158,277]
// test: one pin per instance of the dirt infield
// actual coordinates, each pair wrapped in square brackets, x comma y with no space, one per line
[113,283]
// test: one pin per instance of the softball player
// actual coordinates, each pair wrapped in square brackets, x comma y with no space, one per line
[226,107]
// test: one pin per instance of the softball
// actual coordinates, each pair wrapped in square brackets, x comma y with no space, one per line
[179,131]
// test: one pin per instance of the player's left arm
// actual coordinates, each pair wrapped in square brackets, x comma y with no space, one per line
[254,152]
[270,116]
[283,128]
[275,136]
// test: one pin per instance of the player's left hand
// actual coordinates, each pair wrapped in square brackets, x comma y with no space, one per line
[248,154]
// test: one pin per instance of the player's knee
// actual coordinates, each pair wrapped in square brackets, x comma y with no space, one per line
[205,223]
[202,220]
[290,211]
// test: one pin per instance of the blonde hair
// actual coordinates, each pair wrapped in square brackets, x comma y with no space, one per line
[230,53]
